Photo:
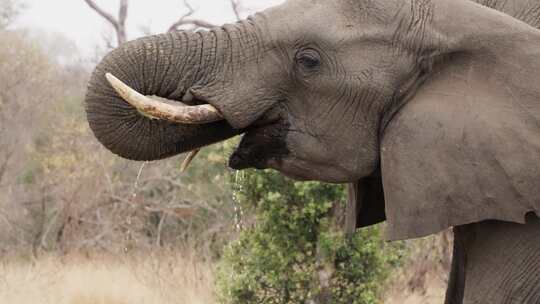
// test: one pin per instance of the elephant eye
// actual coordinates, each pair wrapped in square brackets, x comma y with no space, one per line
[308,59]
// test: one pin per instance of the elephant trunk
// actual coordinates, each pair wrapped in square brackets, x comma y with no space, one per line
[166,65]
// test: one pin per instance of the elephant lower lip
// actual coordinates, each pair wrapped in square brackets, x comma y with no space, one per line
[261,145]
[237,162]
[241,161]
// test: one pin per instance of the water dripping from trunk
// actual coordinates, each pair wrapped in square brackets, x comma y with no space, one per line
[238,211]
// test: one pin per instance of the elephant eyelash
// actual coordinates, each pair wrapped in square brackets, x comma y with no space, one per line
[309,63]
[308,59]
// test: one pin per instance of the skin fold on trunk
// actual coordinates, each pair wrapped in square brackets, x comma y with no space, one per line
[165,65]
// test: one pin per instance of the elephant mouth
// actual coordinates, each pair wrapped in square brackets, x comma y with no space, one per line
[261,146]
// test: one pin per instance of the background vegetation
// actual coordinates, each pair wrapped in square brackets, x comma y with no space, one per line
[296,250]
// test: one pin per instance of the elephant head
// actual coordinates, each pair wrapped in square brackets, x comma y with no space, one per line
[430,107]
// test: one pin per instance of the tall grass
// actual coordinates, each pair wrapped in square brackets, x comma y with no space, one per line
[163,277]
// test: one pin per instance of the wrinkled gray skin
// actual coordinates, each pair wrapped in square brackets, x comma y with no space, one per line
[431,109]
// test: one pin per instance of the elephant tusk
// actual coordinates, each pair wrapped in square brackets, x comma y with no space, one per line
[189,158]
[164,109]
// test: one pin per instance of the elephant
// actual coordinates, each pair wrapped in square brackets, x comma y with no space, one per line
[429,109]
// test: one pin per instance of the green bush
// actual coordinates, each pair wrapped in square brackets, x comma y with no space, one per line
[279,258]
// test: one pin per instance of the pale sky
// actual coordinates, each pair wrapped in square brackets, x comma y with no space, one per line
[75,20]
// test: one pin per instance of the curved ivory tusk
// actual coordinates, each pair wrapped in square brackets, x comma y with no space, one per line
[160,108]
[189,158]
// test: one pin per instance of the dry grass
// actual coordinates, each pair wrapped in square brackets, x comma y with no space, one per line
[169,277]
[164,277]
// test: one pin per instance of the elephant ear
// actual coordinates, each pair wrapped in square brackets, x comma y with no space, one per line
[464,149]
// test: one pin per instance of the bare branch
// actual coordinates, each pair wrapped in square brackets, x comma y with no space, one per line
[122,16]
[5,162]
[118,24]
[122,13]
[101,12]
[185,21]
[194,22]
[236,8]
[108,39]
[189,7]
[160,229]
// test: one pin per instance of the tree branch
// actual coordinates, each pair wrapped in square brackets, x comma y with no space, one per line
[4,165]
[194,22]
[118,24]
[122,13]
[184,20]
[122,16]
[190,8]
[236,8]
[101,12]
